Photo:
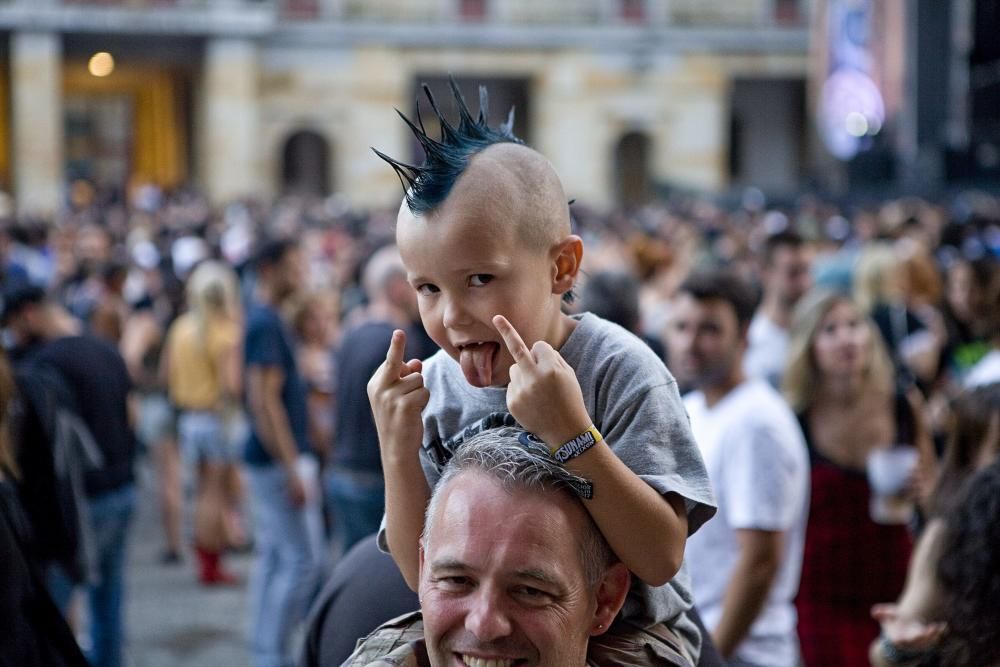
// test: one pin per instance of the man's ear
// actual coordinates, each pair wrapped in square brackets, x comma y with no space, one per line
[611,593]
[567,255]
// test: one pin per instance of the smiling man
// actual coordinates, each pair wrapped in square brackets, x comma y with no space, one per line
[513,571]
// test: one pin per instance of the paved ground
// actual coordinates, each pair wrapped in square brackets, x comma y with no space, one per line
[170,619]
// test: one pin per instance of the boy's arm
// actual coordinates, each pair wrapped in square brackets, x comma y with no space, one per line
[398,396]
[645,529]
[406,496]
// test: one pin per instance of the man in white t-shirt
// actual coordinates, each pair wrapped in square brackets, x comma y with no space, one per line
[785,278]
[745,563]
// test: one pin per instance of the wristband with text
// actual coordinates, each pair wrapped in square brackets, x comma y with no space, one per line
[578,445]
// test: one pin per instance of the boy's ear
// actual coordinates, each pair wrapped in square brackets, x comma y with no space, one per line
[568,255]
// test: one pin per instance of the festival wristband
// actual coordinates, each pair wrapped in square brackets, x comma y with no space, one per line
[578,445]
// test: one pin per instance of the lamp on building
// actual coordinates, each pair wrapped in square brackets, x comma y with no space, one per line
[101,64]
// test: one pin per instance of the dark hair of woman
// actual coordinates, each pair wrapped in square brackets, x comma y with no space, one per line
[969,571]
[974,413]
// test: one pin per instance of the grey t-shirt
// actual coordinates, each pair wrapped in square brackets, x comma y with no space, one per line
[634,402]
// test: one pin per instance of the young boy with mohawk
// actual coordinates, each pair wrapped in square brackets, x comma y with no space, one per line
[484,232]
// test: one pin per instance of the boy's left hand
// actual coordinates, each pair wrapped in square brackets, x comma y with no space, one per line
[544,395]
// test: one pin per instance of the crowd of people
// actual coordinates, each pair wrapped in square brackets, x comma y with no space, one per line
[831,415]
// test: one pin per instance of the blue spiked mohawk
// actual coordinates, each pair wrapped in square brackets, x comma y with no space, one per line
[428,185]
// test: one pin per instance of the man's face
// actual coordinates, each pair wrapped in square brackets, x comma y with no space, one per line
[290,273]
[788,275]
[502,580]
[468,263]
[704,340]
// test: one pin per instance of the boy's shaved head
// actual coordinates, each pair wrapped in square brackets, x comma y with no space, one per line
[519,183]
[476,165]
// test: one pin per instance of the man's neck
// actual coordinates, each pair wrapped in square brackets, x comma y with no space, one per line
[267,295]
[719,390]
[382,310]
[775,310]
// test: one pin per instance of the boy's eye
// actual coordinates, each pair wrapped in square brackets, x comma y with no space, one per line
[480,279]
[427,288]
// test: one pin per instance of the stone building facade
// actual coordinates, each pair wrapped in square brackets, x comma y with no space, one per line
[259,97]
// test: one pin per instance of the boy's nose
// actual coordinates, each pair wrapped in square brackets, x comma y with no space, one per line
[454,314]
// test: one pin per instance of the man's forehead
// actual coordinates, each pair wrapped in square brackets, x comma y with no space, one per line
[478,512]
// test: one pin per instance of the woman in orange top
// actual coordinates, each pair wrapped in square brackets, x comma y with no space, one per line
[203,376]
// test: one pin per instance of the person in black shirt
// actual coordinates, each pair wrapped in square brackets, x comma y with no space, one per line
[98,386]
[355,486]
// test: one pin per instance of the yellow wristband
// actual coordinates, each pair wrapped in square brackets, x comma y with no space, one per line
[578,445]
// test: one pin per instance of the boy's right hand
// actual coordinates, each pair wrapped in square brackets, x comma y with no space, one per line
[398,396]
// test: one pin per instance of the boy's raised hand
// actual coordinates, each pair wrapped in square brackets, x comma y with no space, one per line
[544,395]
[398,396]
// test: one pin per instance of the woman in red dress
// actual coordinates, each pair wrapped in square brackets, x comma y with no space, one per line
[839,382]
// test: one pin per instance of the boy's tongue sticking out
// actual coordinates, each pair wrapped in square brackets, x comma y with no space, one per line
[477,363]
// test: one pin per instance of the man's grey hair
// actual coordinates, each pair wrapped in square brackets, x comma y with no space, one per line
[384,265]
[519,464]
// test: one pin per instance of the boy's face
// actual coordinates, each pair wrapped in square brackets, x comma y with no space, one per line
[469,263]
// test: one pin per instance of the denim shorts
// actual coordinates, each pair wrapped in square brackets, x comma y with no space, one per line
[202,438]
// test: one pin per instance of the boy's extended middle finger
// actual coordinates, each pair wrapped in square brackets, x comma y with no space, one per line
[512,339]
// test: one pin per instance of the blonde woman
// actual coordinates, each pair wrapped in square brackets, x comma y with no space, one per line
[885,290]
[203,376]
[840,384]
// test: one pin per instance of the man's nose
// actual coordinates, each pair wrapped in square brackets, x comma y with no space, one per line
[487,619]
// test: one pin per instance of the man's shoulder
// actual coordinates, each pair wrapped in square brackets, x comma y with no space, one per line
[99,355]
[754,398]
[260,313]
[395,643]
[367,335]
[761,409]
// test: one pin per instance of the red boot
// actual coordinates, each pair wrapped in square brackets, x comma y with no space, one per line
[210,569]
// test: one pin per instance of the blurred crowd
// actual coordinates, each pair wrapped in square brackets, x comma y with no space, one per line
[149,328]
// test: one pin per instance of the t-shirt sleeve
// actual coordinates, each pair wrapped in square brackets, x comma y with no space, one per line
[651,434]
[763,478]
[263,344]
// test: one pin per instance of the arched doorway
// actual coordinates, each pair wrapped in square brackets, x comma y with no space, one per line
[632,182]
[305,164]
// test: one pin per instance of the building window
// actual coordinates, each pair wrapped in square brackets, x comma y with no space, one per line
[632,155]
[305,164]
[787,12]
[472,10]
[300,9]
[633,11]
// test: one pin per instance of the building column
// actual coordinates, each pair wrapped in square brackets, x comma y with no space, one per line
[229,144]
[36,121]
